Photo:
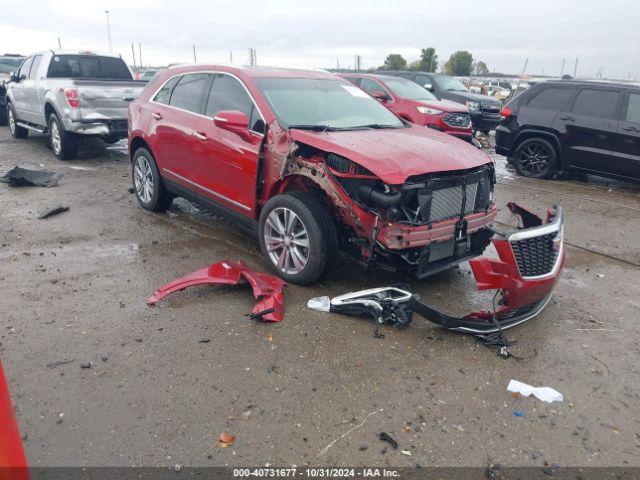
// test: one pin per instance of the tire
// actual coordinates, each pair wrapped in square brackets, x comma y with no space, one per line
[536,158]
[64,144]
[3,115]
[16,130]
[147,182]
[311,225]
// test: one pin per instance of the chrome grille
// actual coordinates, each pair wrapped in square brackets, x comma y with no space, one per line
[447,202]
[460,120]
[535,256]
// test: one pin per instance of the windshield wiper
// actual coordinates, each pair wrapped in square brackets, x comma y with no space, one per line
[315,128]
[375,126]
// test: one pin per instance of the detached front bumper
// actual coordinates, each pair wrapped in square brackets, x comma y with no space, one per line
[529,265]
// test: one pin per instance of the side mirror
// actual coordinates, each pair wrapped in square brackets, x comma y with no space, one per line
[234,121]
[428,86]
[13,77]
[378,95]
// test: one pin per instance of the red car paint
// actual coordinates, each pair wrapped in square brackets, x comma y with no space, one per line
[13,463]
[267,289]
[242,172]
[407,108]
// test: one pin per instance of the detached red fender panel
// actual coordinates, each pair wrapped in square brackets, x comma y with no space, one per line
[267,289]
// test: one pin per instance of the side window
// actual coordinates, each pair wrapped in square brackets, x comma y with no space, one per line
[228,93]
[596,103]
[189,92]
[551,98]
[35,66]
[355,80]
[633,108]
[25,68]
[164,94]
[369,86]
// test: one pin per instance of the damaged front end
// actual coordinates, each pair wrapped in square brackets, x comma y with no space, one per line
[530,260]
[426,224]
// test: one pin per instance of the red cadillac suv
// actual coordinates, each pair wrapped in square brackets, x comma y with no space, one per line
[314,165]
[416,104]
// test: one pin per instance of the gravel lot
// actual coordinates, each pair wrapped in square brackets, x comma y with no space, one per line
[164,382]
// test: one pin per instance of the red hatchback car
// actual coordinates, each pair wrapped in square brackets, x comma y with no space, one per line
[313,164]
[416,104]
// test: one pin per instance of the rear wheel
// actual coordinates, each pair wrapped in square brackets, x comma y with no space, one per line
[147,183]
[298,237]
[63,144]
[16,130]
[536,158]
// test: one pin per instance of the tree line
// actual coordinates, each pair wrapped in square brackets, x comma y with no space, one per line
[460,63]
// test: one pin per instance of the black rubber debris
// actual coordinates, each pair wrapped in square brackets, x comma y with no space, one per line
[385,437]
[50,212]
[22,177]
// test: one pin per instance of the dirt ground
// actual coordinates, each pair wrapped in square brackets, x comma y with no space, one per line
[315,389]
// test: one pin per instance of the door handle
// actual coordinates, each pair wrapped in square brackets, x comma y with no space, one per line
[200,136]
[156,115]
[568,118]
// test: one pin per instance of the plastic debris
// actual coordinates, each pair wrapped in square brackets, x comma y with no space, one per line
[226,439]
[22,177]
[50,212]
[385,437]
[546,394]
[518,413]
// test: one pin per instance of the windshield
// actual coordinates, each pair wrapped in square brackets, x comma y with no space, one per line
[88,66]
[324,103]
[8,65]
[408,89]
[450,83]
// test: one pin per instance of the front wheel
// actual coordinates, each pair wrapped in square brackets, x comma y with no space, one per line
[63,144]
[536,158]
[147,183]
[298,237]
[16,130]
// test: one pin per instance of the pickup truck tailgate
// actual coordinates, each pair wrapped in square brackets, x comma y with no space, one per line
[100,99]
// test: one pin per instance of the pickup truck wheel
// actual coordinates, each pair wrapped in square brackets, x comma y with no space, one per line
[298,237]
[16,130]
[147,183]
[63,144]
[536,158]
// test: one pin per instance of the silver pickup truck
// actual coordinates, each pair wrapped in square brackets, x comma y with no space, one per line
[71,95]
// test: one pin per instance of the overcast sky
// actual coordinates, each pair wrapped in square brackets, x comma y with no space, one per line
[603,34]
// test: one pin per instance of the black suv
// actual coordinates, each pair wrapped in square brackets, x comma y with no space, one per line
[589,126]
[484,110]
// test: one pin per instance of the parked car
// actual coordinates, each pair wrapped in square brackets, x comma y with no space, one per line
[484,110]
[567,124]
[71,95]
[146,75]
[312,164]
[8,63]
[416,104]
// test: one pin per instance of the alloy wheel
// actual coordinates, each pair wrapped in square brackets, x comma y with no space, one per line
[12,122]
[143,178]
[56,143]
[287,240]
[534,159]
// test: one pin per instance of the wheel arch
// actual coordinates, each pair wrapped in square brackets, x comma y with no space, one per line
[552,137]
[136,142]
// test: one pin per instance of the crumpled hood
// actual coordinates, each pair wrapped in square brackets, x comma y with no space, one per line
[395,154]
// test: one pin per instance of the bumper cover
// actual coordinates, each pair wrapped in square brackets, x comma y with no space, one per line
[522,296]
[104,128]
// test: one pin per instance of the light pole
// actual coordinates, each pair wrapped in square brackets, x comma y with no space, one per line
[108,30]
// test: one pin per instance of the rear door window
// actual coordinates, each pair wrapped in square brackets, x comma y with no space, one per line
[370,86]
[164,94]
[189,93]
[554,98]
[633,108]
[35,66]
[596,103]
